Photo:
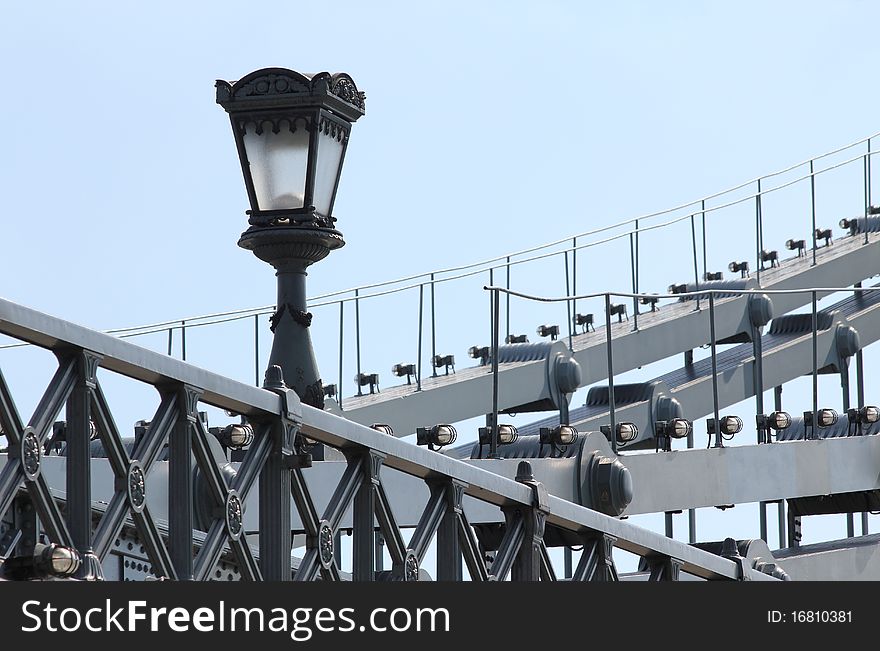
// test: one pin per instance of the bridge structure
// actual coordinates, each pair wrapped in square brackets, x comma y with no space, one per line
[269,495]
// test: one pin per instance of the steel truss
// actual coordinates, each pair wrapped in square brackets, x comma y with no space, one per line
[273,461]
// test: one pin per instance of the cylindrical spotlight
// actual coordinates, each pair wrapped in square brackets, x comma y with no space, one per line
[436,436]
[55,560]
[826,417]
[383,427]
[516,339]
[507,434]
[779,420]
[551,331]
[559,435]
[731,425]
[236,436]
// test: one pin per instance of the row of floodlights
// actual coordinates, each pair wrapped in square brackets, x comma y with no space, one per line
[439,436]
[772,256]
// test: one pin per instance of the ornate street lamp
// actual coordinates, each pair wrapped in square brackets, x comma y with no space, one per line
[291,131]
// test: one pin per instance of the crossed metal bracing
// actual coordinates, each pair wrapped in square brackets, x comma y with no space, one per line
[274,460]
[651,336]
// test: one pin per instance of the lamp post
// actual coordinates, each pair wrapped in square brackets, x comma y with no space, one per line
[291,131]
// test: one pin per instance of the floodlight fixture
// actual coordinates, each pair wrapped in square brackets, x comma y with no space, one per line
[619,309]
[585,321]
[444,361]
[516,339]
[559,436]
[861,416]
[481,353]
[824,234]
[507,434]
[666,430]
[551,331]
[437,436]
[797,245]
[367,379]
[650,300]
[824,418]
[728,426]
[235,436]
[47,561]
[383,427]
[678,289]
[624,432]
[713,275]
[775,421]
[770,256]
[330,390]
[741,268]
[401,370]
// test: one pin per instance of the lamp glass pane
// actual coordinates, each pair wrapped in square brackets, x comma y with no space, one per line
[326,170]
[278,164]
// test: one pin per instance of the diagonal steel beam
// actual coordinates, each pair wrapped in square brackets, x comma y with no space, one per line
[470,550]
[247,565]
[154,544]
[430,521]
[390,530]
[506,553]
[547,573]
[54,397]
[161,426]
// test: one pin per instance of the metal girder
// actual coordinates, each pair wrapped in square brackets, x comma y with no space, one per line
[596,563]
[675,328]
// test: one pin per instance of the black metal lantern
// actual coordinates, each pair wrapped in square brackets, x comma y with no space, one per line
[291,131]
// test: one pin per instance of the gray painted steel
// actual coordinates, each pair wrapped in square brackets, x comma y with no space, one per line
[671,330]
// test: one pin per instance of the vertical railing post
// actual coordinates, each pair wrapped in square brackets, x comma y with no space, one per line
[449,566]
[180,483]
[759,235]
[703,230]
[813,208]
[692,513]
[634,283]
[612,415]
[78,464]
[341,341]
[493,444]
[867,194]
[508,297]
[256,350]
[715,410]
[815,365]
[421,321]
[433,327]
[357,334]
[275,500]
[170,340]
[574,275]
[364,539]
[696,271]
[183,340]
[568,305]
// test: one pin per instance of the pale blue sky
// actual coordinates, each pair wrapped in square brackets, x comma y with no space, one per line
[490,127]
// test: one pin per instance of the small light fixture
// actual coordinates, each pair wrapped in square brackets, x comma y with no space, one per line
[235,436]
[47,560]
[775,421]
[625,432]
[436,437]
[479,352]
[507,434]
[824,418]
[559,436]
[849,225]
[367,379]
[404,369]
[739,267]
[770,256]
[551,331]
[797,245]
[585,322]
[824,234]
[858,417]
[729,425]
[666,430]
[713,275]
[678,289]
[650,300]
[516,339]
[619,309]
[330,390]
[383,427]
[444,361]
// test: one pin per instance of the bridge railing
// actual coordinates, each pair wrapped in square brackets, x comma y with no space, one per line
[275,466]
[627,233]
